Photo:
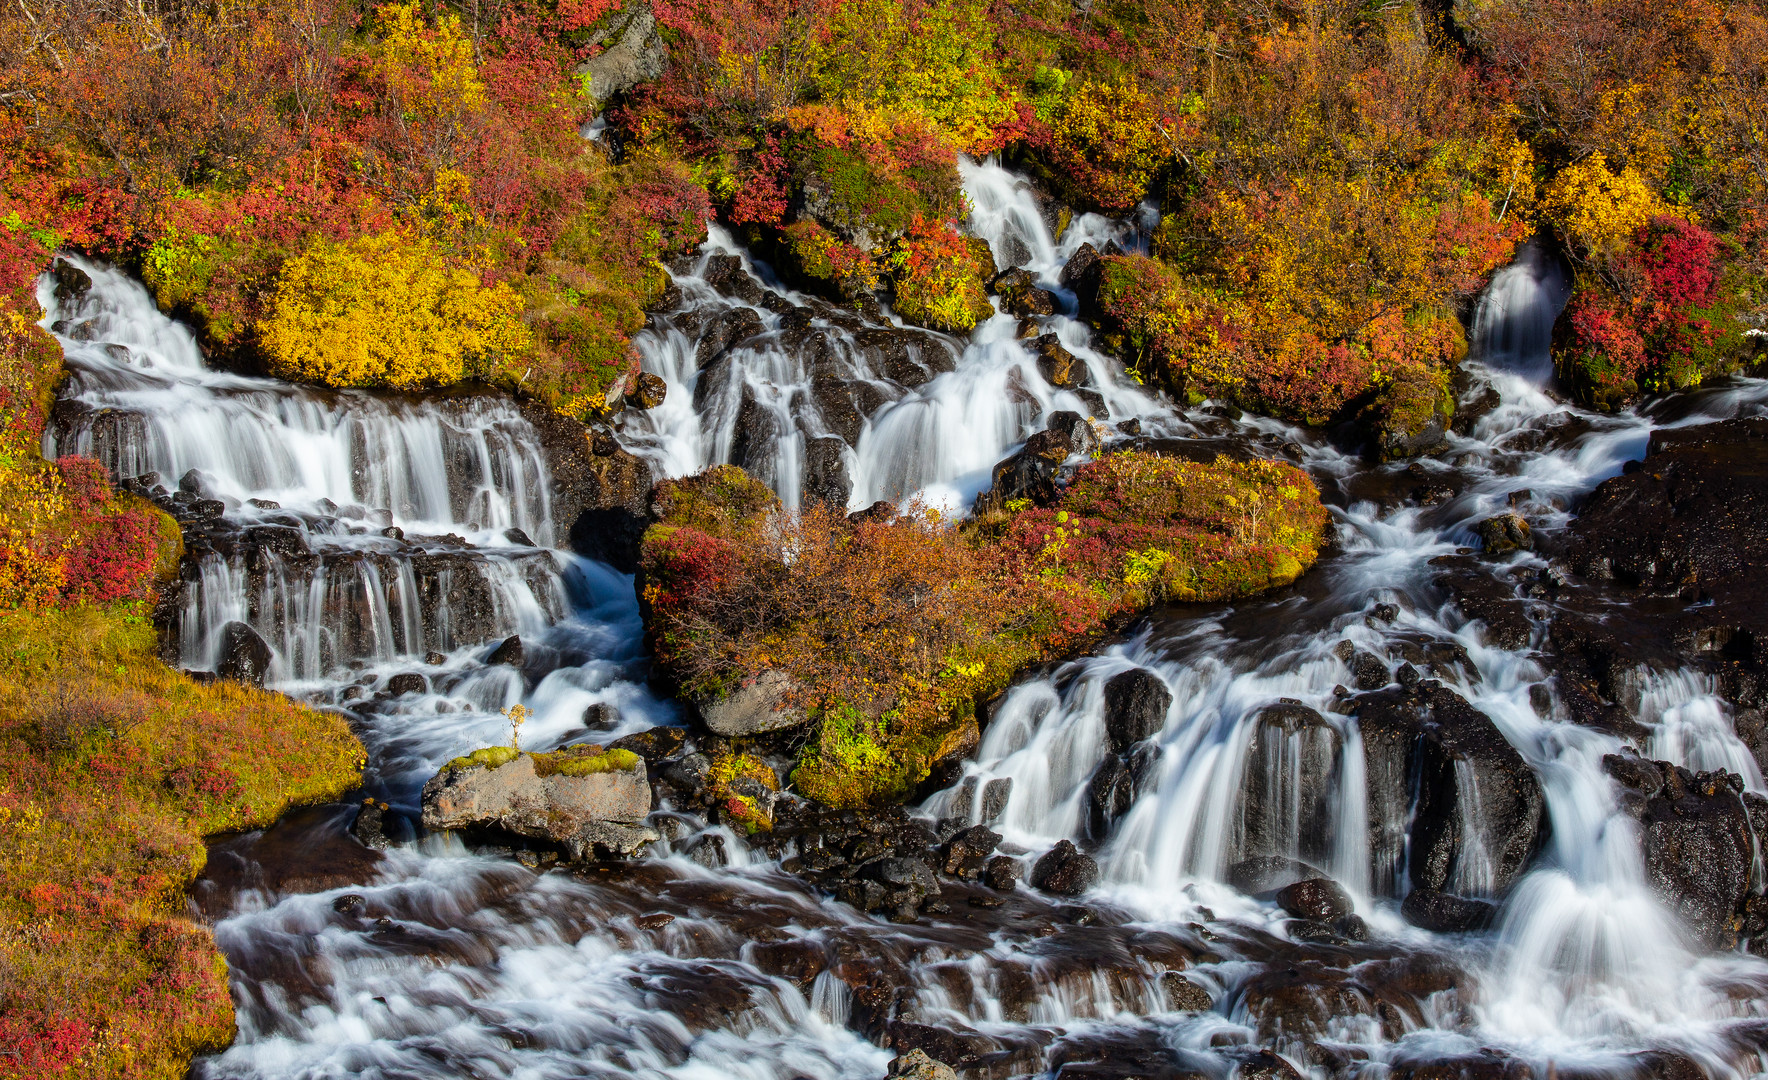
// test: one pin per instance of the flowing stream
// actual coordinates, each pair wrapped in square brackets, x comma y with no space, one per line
[364,537]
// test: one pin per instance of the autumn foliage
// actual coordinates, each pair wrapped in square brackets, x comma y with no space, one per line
[892,628]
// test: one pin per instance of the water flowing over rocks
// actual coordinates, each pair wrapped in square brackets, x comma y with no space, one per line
[1384,821]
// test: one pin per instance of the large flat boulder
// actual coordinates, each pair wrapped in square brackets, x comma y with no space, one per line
[581,798]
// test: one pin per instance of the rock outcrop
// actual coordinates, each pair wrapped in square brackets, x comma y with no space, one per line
[582,799]
[635,53]
[1447,793]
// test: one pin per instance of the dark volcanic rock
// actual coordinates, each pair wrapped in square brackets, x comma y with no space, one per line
[825,473]
[1320,899]
[1443,913]
[1696,830]
[600,493]
[1289,785]
[508,652]
[1480,815]
[1136,702]
[1065,870]
[245,656]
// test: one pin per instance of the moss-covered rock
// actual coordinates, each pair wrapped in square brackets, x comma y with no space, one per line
[1411,414]
[885,633]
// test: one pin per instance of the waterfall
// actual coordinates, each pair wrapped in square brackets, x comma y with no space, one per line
[1513,323]
[386,545]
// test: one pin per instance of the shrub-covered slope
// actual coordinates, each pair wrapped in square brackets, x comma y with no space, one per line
[885,633]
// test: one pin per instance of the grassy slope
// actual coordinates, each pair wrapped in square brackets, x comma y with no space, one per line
[112,769]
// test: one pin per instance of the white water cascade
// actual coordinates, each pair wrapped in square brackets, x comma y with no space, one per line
[431,961]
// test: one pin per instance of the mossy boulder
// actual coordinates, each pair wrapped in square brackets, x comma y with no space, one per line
[882,633]
[1410,415]
[582,798]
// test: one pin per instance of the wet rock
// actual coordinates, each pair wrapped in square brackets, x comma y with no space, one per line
[916,1065]
[1064,870]
[756,436]
[1082,275]
[1481,596]
[909,357]
[1027,475]
[584,812]
[407,682]
[994,795]
[1409,416]
[1265,1065]
[725,273]
[1289,785]
[1479,815]
[759,705]
[635,53]
[71,282]
[825,472]
[653,744]
[1697,839]
[1057,365]
[600,717]
[726,331]
[843,405]
[648,392]
[1003,873]
[1184,995]
[1067,433]
[600,493]
[509,652]
[245,656]
[1320,899]
[1442,913]
[964,854]
[796,959]
[1110,794]
[434,658]
[708,850]
[1136,702]
[1505,533]
[1367,670]
[1269,873]
[370,825]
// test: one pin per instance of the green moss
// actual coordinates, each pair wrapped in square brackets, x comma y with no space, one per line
[585,759]
[491,757]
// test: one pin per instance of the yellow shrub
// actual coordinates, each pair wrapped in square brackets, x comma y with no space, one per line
[431,70]
[387,311]
[1599,209]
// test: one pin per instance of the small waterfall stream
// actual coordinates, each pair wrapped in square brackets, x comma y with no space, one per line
[366,536]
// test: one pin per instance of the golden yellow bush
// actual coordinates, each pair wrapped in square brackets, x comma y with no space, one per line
[431,70]
[1599,209]
[387,310]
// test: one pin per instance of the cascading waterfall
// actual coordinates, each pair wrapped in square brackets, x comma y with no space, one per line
[1513,324]
[433,962]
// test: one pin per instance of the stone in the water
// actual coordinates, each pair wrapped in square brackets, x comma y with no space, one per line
[245,656]
[965,853]
[1443,913]
[406,682]
[582,798]
[369,826]
[1268,873]
[1135,707]
[1505,533]
[1183,995]
[600,717]
[916,1065]
[1003,873]
[1321,899]
[509,652]
[1065,870]
[649,391]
